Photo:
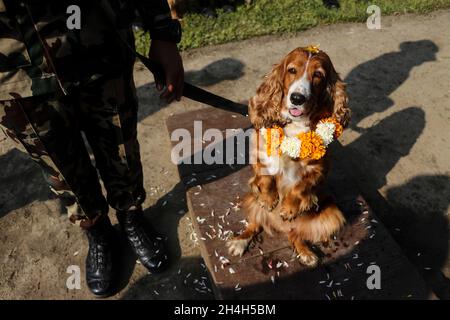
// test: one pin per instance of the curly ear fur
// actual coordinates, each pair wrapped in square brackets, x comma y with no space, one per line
[339,99]
[265,106]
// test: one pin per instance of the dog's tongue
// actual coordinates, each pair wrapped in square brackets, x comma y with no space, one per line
[295,112]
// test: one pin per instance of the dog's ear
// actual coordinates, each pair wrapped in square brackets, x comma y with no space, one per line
[338,98]
[265,106]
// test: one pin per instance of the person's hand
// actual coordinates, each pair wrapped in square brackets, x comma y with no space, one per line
[166,54]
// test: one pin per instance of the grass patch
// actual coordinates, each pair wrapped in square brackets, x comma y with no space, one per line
[264,17]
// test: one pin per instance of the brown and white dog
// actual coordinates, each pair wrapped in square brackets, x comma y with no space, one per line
[289,197]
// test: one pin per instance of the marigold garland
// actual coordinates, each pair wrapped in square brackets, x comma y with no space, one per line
[273,136]
[311,144]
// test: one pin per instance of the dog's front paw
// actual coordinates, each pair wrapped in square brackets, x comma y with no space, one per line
[237,247]
[288,212]
[308,203]
[268,202]
[287,215]
[308,259]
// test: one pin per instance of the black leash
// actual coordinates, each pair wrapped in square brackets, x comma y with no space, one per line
[195,93]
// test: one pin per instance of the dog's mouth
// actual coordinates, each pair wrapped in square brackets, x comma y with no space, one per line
[295,112]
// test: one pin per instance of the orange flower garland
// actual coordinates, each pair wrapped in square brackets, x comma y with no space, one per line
[312,145]
[274,136]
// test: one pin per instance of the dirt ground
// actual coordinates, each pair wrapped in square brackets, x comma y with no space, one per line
[398,145]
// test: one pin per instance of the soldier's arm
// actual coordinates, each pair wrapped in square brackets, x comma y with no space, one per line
[165,33]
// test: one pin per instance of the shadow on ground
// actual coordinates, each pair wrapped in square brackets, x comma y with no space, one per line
[190,281]
[417,216]
[371,83]
[17,192]
[415,212]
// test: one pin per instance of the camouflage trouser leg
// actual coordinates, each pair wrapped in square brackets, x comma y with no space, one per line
[109,113]
[49,129]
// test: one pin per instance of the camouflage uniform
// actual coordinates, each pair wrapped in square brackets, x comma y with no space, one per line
[56,83]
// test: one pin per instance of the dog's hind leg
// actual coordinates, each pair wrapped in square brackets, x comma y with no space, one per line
[256,217]
[239,244]
[304,254]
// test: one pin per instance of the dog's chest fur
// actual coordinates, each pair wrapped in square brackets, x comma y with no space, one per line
[286,169]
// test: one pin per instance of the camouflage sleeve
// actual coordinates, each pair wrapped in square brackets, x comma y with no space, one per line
[154,13]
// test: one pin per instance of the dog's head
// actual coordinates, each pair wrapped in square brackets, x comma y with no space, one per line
[305,87]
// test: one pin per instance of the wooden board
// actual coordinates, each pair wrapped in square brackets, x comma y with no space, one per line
[269,270]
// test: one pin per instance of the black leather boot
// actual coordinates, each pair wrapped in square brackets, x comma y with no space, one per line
[145,242]
[99,260]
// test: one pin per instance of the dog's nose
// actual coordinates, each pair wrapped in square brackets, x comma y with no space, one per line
[297,99]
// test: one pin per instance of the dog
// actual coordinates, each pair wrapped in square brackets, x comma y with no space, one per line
[288,195]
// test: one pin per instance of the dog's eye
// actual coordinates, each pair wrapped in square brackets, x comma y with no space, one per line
[318,74]
[292,70]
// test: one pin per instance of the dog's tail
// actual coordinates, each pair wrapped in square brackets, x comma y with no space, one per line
[319,227]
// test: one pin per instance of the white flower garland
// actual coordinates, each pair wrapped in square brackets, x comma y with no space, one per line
[325,130]
[291,146]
